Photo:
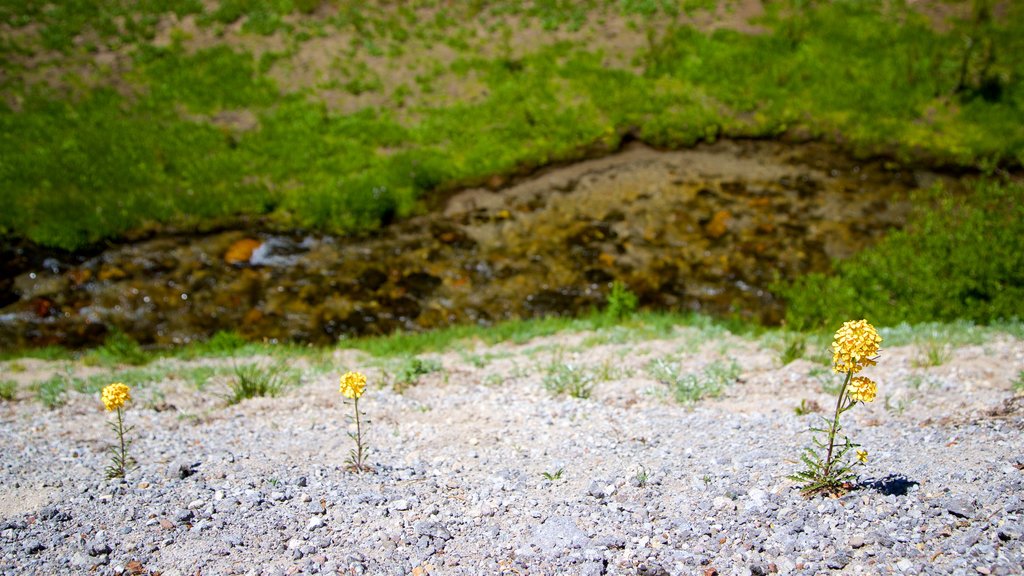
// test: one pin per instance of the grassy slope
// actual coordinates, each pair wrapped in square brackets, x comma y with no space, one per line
[90,151]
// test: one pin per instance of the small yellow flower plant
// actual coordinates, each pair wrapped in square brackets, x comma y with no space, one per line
[353,384]
[856,347]
[114,397]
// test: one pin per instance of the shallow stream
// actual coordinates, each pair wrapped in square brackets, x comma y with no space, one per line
[707,229]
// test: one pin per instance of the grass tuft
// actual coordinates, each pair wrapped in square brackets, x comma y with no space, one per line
[252,380]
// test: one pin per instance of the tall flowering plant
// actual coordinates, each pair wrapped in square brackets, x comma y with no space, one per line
[352,386]
[114,397]
[828,470]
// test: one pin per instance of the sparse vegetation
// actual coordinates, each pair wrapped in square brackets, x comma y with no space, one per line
[256,379]
[806,407]
[690,387]
[568,378]
[119,348]
[553,476]
[932,353]
[51,391]
[622,303]
[794,347]
[410,371]
[641,477]
[8,390]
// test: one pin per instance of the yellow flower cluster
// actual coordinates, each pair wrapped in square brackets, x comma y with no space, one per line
[352,385]
[115,395]
[862,455]
[862,389]
[856,344]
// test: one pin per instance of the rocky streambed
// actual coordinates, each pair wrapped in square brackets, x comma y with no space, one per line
[707,229]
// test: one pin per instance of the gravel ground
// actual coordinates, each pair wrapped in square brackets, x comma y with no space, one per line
[463,459]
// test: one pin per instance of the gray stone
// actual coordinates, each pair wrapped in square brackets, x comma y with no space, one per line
[32,546]
[98,547]
[558,534]
[960,508]
[181,470]
[596,488]
[838,562]
[432,529]
[651,569]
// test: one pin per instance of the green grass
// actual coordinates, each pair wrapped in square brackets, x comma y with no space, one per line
[959,258]
[689,387]
[118,348]
[8,390]
[568,378]
[257,380]
[50,392]
[411,369]
[85,162]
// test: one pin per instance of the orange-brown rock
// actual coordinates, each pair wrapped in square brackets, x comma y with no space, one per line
[241,251]
[718,225]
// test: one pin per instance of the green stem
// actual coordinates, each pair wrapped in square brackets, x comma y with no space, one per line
[359,439]
[835,424]
[120,437]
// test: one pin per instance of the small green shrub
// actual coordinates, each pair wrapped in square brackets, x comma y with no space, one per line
[932,353]
[252,380]
[51,391]
[566,378]
[221,344]
[688,388]
[806,407]
[794,347]
[621,303]
[411,369]
[119,348]
[552,476]
[8,389]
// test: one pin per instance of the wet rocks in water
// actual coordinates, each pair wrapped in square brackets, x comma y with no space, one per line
[707,229]
[241,251]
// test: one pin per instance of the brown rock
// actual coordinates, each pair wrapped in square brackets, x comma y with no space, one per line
[719,224]
[111,273]
[80,276]
[253,316]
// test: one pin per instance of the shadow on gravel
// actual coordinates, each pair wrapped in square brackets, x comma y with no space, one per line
[891,485]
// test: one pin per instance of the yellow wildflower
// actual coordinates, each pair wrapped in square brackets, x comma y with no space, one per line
[855,346]
[862,455]
[862,389]
[115,395]
[352,385]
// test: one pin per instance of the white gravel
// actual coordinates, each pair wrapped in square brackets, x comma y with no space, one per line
[460,486]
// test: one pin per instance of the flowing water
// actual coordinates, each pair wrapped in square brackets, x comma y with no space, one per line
[707,229]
